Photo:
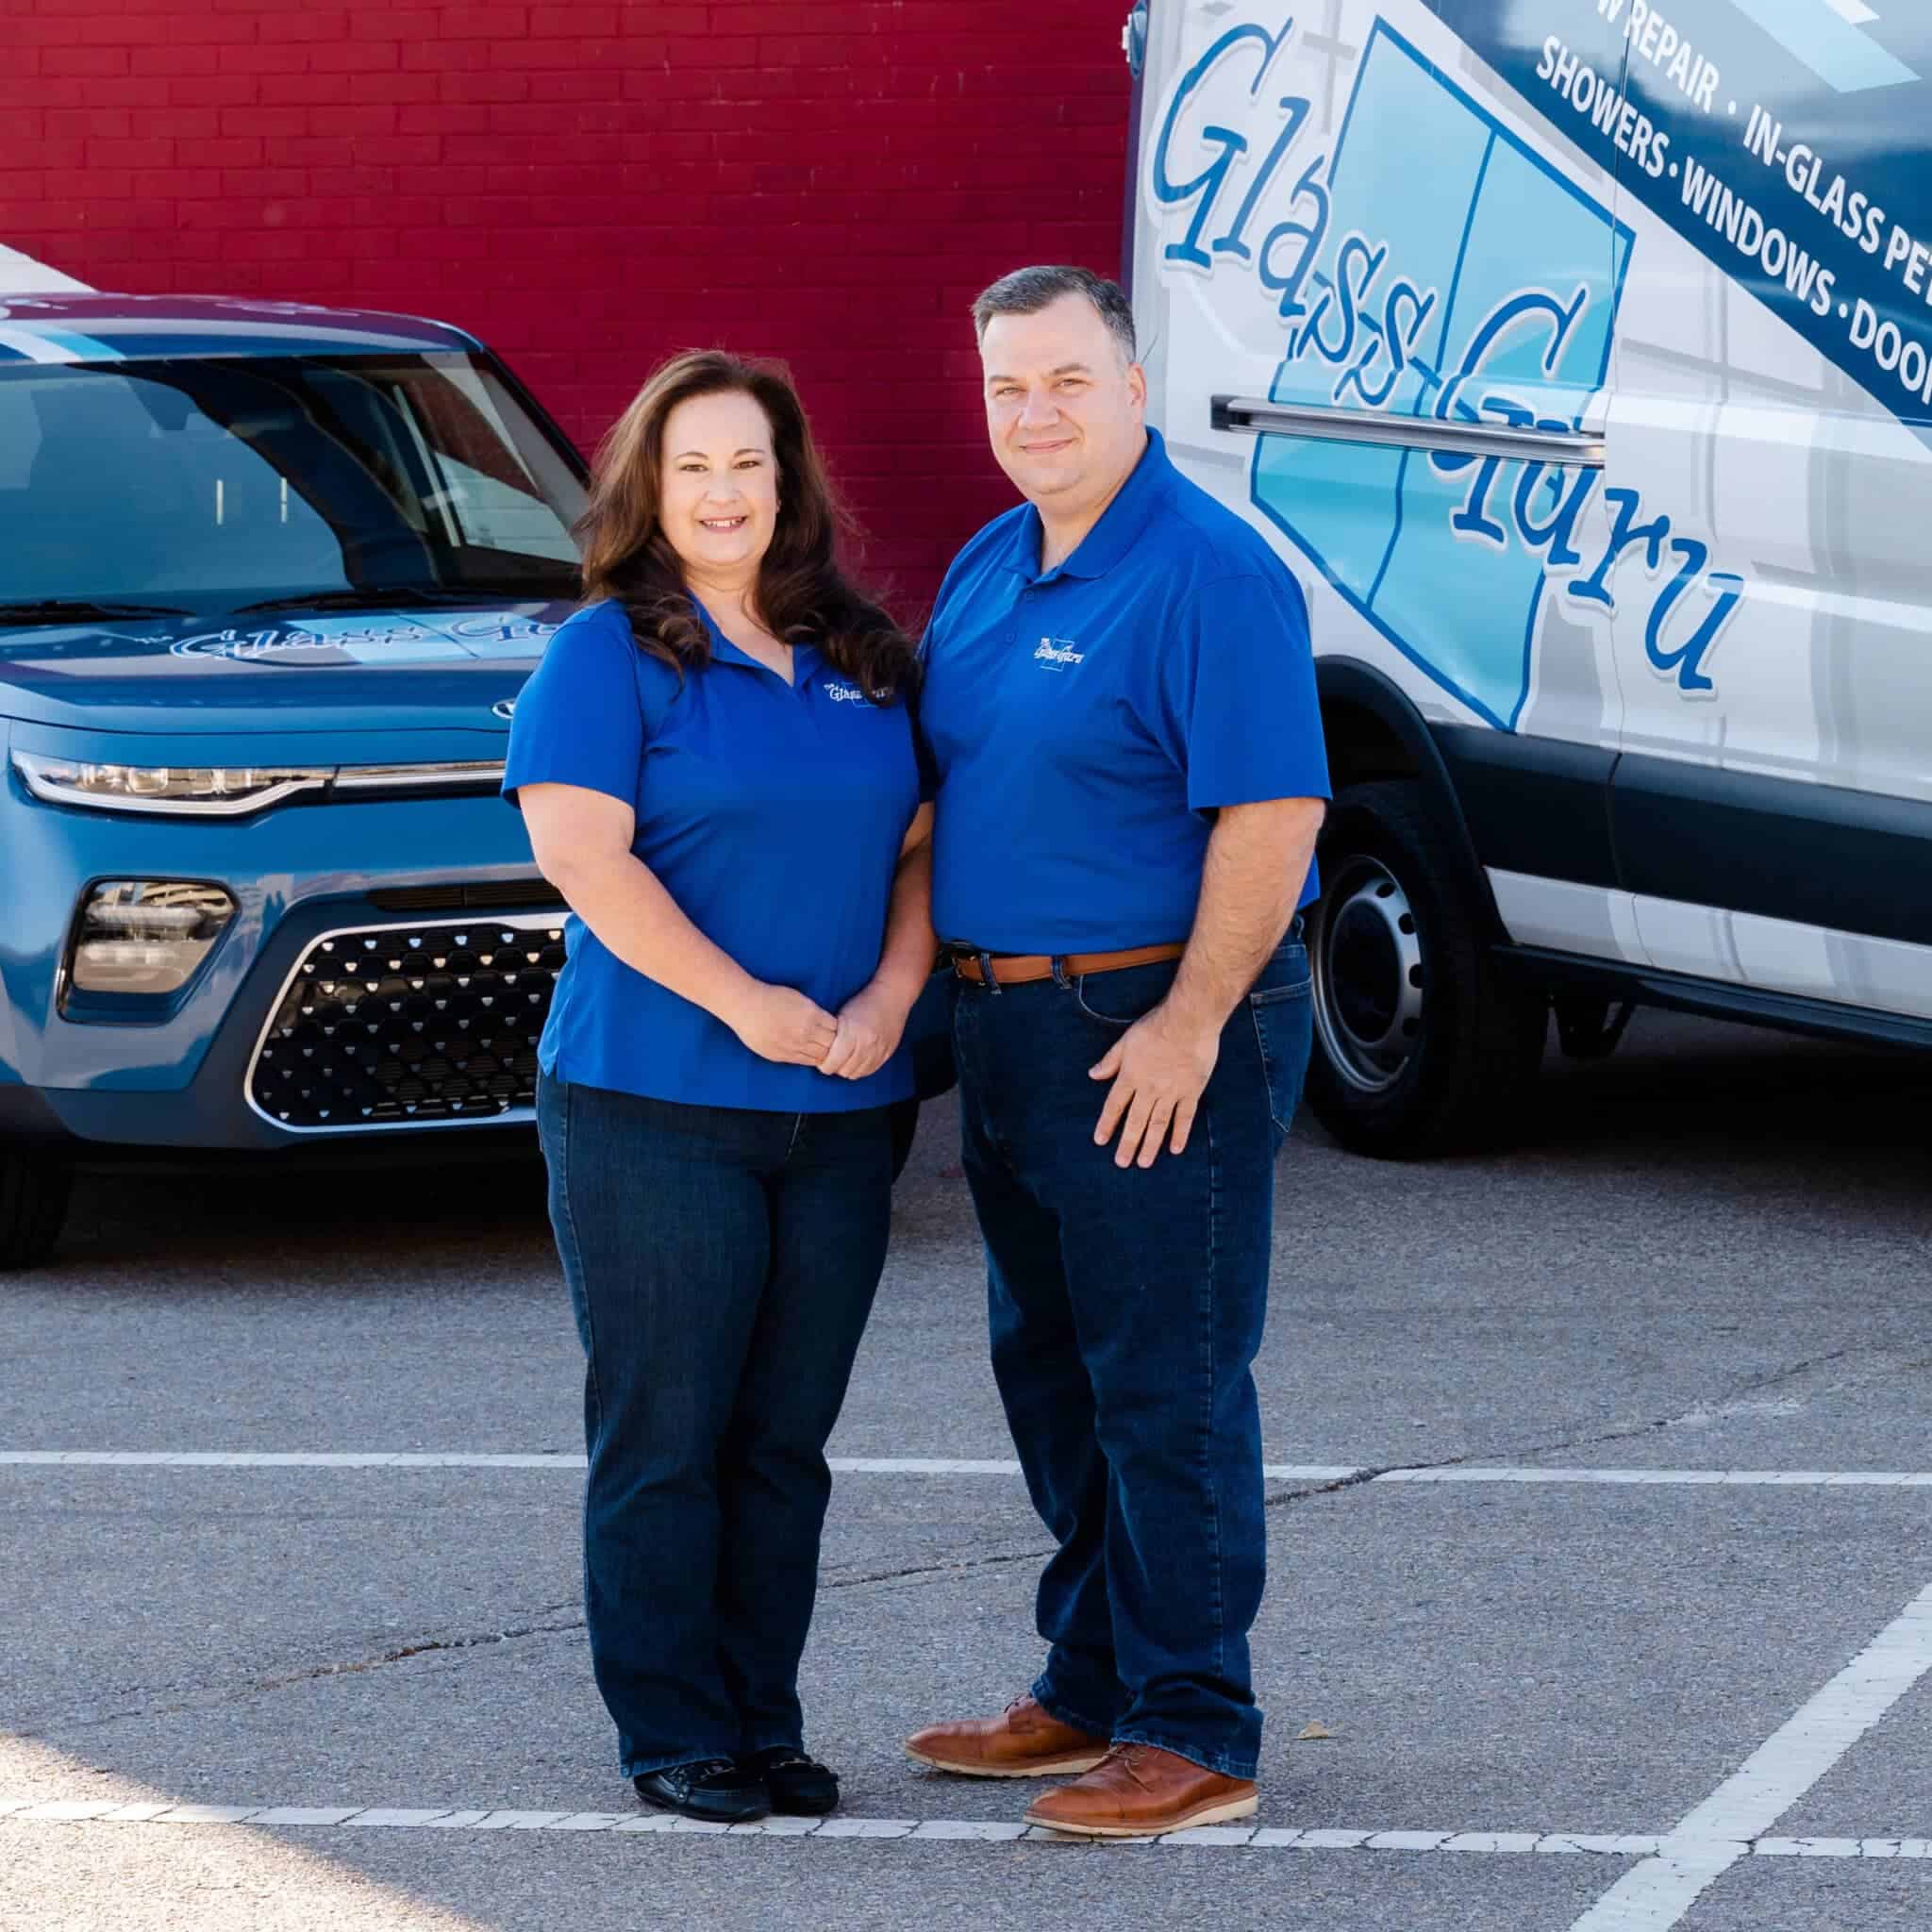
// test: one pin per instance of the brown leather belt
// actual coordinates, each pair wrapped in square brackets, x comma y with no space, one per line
[1017,969]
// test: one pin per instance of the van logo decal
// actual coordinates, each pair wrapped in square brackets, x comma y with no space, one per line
[1424,305]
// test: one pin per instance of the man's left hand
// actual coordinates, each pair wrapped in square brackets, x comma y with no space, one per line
[1160,1068]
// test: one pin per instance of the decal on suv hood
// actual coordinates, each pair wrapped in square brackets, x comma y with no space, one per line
[373,639]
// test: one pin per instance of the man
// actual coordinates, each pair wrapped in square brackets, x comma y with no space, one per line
[1119,709]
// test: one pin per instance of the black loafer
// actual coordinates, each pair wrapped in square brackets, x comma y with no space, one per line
[714,1789]
[800,1786]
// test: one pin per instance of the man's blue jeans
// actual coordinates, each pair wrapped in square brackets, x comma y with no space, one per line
[721,1264]
[1127,1309]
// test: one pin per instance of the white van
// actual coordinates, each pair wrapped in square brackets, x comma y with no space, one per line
[1578,358]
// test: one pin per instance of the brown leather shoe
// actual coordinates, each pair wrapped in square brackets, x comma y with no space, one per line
[1023,1742]
[1137,1791]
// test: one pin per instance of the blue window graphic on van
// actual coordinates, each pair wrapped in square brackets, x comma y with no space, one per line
[1433,294]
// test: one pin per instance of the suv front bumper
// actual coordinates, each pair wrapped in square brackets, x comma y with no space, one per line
[254,1053]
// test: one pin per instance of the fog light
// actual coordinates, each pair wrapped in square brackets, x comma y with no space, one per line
[147,936]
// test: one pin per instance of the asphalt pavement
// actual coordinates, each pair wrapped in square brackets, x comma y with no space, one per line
[1598,1553]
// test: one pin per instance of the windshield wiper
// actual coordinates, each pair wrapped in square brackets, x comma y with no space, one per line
[79,610]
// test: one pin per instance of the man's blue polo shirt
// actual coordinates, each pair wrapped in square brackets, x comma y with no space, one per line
[1083,724]
[772,813]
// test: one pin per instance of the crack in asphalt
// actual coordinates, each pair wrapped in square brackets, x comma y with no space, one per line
[931,1571]
[215,1699]
[479,1639]
[1754,1384]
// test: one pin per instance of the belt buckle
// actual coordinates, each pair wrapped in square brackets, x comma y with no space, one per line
[958,954]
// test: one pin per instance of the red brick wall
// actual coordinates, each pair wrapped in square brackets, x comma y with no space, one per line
[589,187]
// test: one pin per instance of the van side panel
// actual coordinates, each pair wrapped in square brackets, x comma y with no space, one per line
[1696,231]
[1773,376]
[1781,364]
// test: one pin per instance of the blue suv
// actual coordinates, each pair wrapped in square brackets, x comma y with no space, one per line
[271,577]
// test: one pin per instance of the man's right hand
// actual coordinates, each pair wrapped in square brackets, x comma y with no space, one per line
[780,1023]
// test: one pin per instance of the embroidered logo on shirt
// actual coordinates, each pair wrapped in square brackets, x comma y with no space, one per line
[1058,653]
[842,694]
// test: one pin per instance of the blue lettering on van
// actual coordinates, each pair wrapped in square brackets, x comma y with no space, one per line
[1285,250]
[1422,305]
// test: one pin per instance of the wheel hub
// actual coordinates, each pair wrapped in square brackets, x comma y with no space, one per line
[1367,962]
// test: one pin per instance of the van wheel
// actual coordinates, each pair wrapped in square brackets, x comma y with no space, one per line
[33,1206]
[1421,1046]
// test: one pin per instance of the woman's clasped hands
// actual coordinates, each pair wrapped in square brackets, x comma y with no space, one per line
[779,1022]
[871,1023]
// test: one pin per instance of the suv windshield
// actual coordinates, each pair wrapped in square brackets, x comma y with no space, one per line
[230,482]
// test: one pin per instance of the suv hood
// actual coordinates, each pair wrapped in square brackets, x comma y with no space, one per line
[407,670]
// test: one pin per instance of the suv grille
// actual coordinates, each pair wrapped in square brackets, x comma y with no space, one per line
[410,1025]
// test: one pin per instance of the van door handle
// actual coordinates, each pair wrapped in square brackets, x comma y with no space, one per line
[1566,447]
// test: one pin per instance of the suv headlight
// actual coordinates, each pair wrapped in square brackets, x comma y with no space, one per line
[147,936]
[219,791]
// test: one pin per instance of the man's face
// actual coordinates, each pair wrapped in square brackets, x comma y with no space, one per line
[1065,410]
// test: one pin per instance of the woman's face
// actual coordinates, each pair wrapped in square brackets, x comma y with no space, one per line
[719,495]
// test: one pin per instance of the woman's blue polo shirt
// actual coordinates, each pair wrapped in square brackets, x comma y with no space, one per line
[772,813]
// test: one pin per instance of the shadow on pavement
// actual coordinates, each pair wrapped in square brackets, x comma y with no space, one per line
[1730,1107]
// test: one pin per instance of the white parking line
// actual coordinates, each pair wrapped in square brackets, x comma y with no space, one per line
[262,1459]
[1738,1479]
[958,1466]
[1655,1894]
[1684,1846]
[386,1459]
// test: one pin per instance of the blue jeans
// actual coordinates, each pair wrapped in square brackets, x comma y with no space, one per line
[1127,1309]
[721,1264]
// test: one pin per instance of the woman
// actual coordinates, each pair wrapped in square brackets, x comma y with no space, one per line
[716,766]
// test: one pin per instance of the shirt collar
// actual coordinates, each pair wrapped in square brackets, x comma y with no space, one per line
[804,657]
[1116,533]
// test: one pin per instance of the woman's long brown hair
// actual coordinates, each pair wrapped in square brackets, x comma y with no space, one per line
[801,595]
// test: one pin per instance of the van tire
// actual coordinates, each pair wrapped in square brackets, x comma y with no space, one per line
[1420,1046]
[33,1208]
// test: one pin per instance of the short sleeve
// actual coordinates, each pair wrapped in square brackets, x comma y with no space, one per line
[1238,709]
[579,720]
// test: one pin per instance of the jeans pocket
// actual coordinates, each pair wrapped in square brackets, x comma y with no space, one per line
[1284,1021]
[1126,994]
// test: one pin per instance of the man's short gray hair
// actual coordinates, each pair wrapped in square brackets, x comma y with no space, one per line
[1027,291]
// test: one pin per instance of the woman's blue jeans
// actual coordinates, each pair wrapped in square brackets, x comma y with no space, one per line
[1127,1308]
[722,1263]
